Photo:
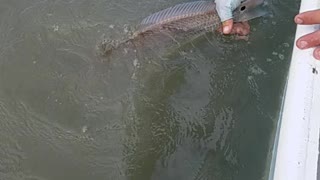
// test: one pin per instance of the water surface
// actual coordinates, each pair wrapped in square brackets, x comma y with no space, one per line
[208,111]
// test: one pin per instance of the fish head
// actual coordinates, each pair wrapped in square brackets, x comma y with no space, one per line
[249,9]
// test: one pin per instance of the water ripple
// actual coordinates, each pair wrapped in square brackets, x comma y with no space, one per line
[278,6]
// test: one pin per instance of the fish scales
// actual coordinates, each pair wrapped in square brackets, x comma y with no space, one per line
[170,28]
[179,24]
[173,34]
[179,15]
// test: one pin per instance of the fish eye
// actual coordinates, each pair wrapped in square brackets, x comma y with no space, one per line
[243,8]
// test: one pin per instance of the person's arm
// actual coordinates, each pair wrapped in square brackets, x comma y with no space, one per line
[224,9]
[312,39]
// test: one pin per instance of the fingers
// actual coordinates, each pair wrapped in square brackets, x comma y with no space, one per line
[309,17]
[227,26]
[316,53]
[312,39]
[241,29]
[309,40]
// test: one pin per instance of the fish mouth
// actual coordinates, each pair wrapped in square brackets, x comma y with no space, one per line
[250,9]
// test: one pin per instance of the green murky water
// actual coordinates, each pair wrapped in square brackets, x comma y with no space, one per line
[209,112]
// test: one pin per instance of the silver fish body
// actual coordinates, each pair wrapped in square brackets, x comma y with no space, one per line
[186,16]
[168,29]
[172,27]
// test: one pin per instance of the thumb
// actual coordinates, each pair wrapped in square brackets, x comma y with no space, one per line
[224,9]
[227,26]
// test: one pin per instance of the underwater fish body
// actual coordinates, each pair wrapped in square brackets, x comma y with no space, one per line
[157,38]
[170,28]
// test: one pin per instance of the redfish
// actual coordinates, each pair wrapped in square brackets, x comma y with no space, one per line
[171,27]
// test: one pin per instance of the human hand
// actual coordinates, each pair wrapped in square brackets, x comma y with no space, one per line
[224,9]
[312,39]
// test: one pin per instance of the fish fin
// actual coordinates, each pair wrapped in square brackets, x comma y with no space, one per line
[178,11]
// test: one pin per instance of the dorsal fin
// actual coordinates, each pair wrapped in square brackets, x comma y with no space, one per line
[179,11]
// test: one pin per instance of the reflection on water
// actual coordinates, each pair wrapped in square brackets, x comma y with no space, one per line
[206,112]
